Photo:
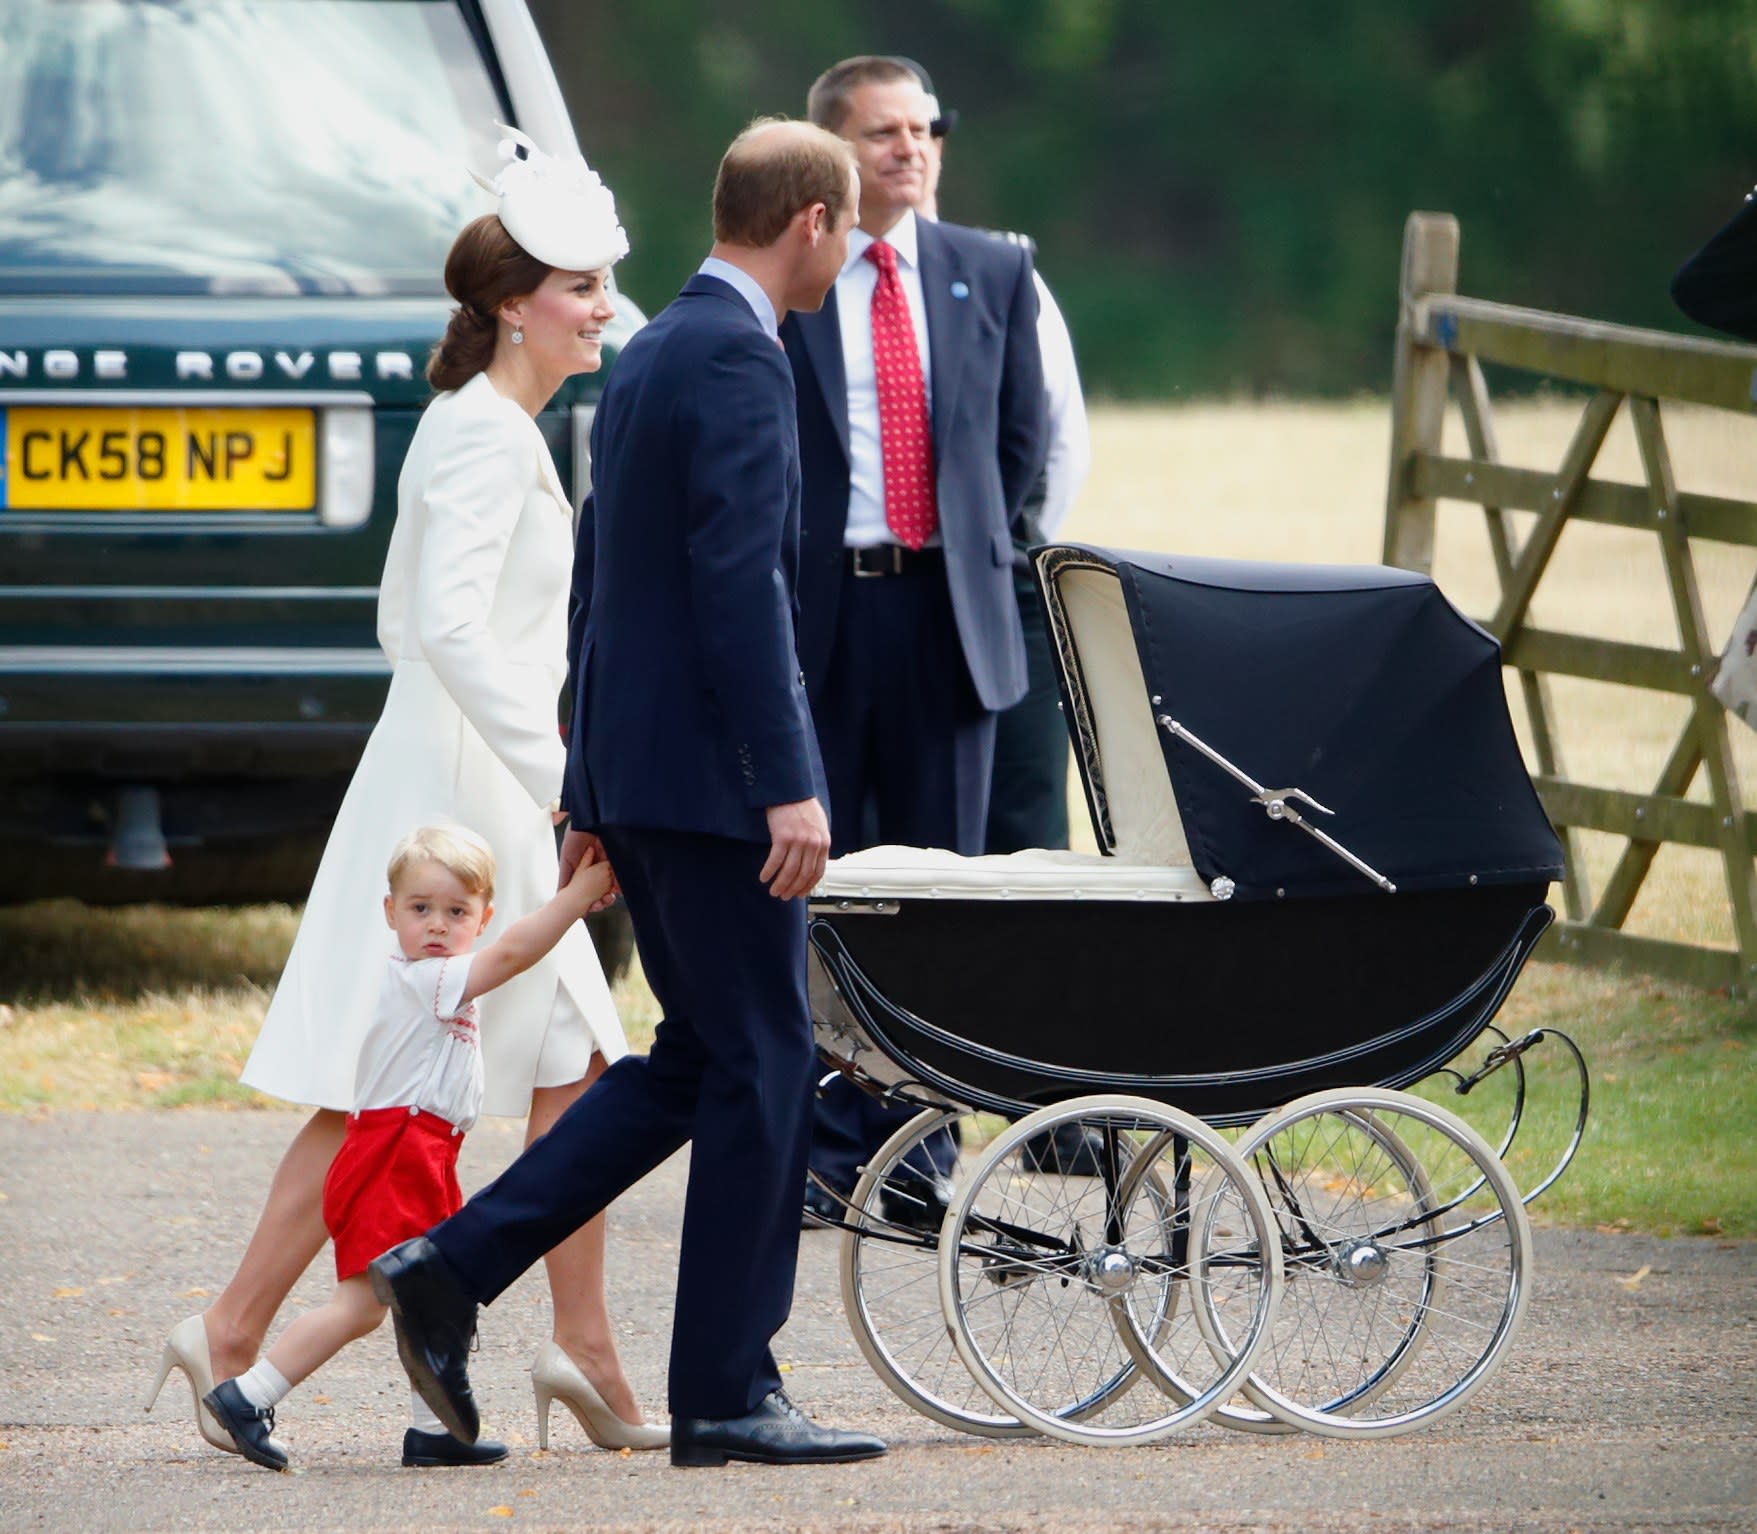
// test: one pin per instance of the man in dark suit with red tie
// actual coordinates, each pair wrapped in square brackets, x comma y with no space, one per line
[921,431]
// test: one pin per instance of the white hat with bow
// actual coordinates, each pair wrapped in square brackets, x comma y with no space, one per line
[556,207]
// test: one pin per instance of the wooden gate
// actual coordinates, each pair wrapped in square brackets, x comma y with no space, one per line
[1442,342]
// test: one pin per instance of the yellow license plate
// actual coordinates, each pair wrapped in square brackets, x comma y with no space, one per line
[104,458]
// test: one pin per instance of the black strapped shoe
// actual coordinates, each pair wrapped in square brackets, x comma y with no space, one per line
[776,1433]
[821,1209]
[915,1200]
[251,1427]
[442,1449]
[436,1322]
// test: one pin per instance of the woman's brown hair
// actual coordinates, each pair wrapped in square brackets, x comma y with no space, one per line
[486,267]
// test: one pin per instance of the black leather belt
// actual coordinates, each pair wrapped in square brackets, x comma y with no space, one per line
[891,559]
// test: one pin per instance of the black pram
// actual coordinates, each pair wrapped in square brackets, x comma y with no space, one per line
[1322,866]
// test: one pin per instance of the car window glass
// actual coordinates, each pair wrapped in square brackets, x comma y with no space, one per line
[248,146]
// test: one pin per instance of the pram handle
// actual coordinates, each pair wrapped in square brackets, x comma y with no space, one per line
[1275,803]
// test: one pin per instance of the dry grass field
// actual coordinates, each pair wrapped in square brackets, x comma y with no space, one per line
[151,1008]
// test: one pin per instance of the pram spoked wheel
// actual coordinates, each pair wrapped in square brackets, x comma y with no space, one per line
[1404,1244]
[1051,1282]
[890,1278]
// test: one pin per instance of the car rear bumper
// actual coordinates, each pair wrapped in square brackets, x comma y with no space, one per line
[116,710]
[246,753]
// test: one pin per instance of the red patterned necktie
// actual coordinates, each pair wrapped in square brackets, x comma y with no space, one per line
[905,433]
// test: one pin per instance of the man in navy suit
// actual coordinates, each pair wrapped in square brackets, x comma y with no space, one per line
[1717,286]
[909,627]
[694,760]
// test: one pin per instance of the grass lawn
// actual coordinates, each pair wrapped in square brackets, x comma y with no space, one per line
[157,1008]
[1673,1088]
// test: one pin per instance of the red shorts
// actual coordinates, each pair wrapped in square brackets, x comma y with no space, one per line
[394,1177]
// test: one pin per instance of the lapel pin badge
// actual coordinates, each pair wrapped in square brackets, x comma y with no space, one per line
[960,289]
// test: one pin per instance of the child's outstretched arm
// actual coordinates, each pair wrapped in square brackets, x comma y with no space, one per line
[530,937]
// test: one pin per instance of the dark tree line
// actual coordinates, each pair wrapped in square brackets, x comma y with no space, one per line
[1218,192]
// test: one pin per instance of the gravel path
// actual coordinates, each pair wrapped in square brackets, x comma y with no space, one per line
[1629,1401]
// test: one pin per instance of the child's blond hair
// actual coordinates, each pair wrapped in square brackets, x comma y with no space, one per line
[457,849]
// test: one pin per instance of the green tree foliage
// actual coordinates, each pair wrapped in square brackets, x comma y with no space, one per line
[1218,192]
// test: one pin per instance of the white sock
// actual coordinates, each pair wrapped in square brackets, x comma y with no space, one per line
[421,1416]
[264,1385]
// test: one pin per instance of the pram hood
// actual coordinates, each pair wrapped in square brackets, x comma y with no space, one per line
[1361,685]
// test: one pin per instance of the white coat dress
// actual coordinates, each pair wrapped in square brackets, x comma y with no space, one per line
[472,613]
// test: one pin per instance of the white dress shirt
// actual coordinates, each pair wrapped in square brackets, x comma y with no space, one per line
[1070,441]
[854,289]
[423,1049]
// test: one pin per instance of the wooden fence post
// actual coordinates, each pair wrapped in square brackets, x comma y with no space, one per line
[1418,388]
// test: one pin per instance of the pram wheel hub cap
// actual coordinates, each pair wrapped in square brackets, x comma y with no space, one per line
[1361,1263]
[1111,1271]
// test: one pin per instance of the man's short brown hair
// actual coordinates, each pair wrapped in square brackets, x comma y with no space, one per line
[774,168]
[826,103]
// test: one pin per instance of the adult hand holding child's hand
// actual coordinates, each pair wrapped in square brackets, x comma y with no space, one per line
[581,849]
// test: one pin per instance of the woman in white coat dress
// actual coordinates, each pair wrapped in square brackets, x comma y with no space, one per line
[473,616]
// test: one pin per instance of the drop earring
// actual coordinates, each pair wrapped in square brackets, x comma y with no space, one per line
[518,336]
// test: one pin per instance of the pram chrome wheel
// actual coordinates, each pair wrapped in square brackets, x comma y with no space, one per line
[1404,1244]
[1042,1275]
[890,1278]
[1239,1413]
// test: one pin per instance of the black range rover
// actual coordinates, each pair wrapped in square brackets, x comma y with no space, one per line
[222,228]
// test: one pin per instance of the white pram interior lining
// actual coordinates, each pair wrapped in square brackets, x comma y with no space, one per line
[1144,818]
[914,873]
[1151,858]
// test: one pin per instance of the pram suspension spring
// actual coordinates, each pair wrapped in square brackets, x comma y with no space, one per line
[1275,803]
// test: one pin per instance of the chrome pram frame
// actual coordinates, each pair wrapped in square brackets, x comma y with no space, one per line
[1216,1267]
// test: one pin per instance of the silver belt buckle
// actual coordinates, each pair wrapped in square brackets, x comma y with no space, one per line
[894,550]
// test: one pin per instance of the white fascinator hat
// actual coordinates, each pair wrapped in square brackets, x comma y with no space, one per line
[556,207]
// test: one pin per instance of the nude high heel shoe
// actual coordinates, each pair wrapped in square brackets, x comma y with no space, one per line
[555,1376]
[186,1349]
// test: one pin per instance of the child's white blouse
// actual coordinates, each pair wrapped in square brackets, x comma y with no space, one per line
[422,1050]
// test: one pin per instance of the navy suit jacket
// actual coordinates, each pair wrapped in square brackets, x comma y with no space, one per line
[690,711]
[989,441]
[1718,285]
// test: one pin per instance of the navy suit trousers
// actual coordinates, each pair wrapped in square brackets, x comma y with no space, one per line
[1028,800]
[729,1070]
[908,747]
[908,753]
